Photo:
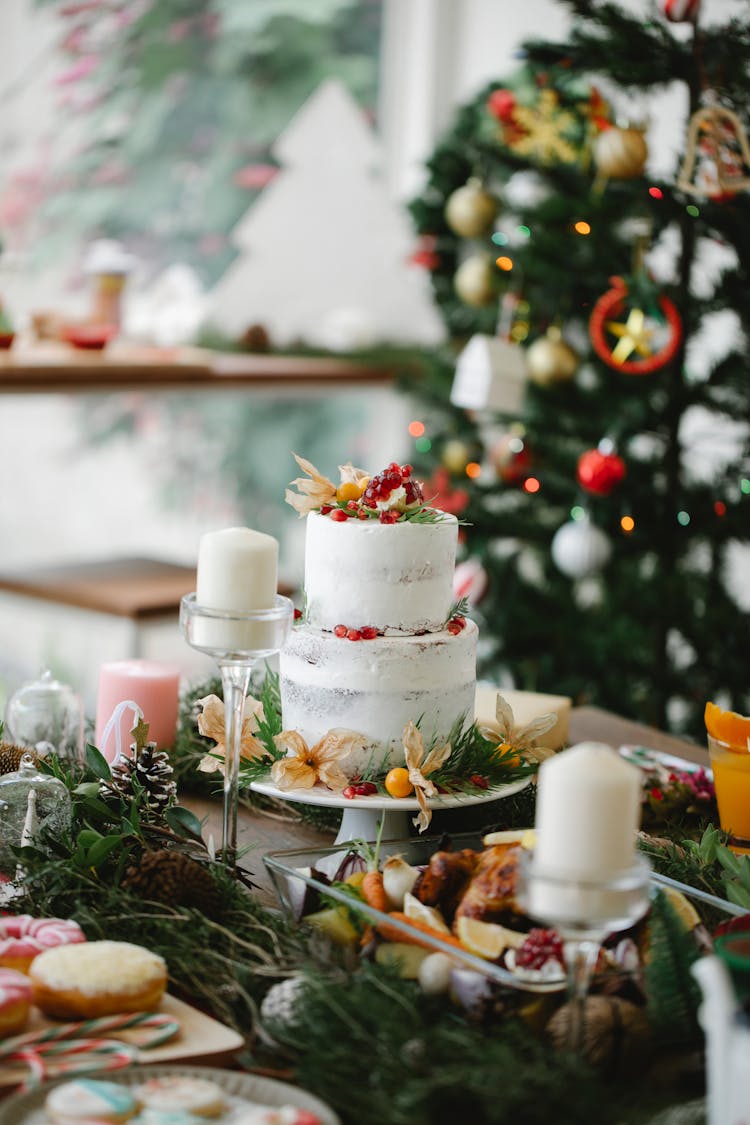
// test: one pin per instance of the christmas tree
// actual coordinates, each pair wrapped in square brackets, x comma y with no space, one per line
[608,513]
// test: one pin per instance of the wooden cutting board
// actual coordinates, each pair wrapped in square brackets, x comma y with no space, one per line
[201,1039]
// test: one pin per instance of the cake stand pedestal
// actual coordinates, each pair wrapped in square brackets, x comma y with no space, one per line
[363,814]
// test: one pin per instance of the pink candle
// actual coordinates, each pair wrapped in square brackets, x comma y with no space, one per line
[150,684]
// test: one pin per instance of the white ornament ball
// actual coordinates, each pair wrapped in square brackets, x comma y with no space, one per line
[435,974]
[279,1005]
[579,549]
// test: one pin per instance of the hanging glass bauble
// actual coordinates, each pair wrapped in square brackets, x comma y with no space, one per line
[46,711]
[31,802]
[579,549]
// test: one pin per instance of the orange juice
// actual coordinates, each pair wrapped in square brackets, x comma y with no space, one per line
[731,767]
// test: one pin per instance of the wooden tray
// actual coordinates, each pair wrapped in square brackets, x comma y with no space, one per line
[200,1039]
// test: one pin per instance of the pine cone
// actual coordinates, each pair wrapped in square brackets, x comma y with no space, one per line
[10,756]
[150,771]
[173,878]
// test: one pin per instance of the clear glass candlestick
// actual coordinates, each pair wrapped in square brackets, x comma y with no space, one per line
[237,642]
[584,912]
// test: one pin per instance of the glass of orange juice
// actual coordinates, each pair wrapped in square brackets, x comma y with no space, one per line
[729,748]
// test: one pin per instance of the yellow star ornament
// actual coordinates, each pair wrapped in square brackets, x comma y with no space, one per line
[633,336]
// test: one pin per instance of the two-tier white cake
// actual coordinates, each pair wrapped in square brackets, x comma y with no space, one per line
[377,647]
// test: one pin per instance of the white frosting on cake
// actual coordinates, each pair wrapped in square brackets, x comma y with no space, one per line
[397,578]
[377,686]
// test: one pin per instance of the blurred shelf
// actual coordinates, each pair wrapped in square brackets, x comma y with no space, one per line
[60,369]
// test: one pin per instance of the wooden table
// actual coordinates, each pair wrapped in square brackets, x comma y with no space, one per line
[261,833]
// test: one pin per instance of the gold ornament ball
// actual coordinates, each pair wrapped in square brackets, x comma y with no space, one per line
[621,154]
[470,210]
[455,456]
[473,281]
[550,360]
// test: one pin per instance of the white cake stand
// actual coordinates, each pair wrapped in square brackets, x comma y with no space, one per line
[362,814]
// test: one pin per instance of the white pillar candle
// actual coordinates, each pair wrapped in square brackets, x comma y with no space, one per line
[237,573]
[588,812]
[237,570]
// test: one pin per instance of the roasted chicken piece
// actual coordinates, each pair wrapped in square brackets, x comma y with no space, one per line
[444,880]
[490,896]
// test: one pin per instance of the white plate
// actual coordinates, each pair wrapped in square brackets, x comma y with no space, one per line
[322,796]
[240,1090]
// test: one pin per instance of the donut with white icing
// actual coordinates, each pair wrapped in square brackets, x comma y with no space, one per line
[84,1100]
[98,978]
[198,1096]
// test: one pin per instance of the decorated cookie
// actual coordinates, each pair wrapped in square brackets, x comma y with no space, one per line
[175,1092]
[85,1100]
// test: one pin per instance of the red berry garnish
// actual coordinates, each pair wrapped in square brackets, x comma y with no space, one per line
[339,515]
[362,514]
[480,781]
[349,792]
[325,509]
[406,471]
[297,614]
[395,467]
[353,635]
[413,492]
[364,789]
[540,946]
[368,633]
[340,630]
[454,628]
[388,517]
[352,505]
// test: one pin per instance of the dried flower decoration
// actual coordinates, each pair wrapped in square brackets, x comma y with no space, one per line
[211,725]
[515,741]
[312,494]
[419,766]
[306,765]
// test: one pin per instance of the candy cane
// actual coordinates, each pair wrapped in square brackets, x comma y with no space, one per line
[162,1026]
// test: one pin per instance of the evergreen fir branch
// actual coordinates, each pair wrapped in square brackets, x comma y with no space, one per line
[673,994]
[472,755]
[459,608]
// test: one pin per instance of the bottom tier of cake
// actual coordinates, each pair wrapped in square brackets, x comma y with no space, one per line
[375,687]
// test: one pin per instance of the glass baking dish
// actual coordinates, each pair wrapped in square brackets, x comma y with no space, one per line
[290,869]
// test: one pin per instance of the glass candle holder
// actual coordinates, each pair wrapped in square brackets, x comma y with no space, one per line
[30,801]
[237,642]
[584,912]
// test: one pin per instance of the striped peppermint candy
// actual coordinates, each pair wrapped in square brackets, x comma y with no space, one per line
[681,11]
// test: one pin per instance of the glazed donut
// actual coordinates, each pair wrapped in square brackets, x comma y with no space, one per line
[15,1002]
[22,938]
[97,978]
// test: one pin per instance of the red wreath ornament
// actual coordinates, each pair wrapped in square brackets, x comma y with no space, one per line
[605,320]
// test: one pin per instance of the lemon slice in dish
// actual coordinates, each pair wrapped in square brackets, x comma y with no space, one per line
[487,939]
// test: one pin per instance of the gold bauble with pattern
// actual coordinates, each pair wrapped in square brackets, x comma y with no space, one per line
[550,360]
[474,281]
[621,153]
[470,210]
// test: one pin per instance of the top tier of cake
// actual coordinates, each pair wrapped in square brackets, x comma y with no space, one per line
[397,578]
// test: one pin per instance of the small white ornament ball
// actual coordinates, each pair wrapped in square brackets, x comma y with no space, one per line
[435,974]
[279,1005]
[579,549]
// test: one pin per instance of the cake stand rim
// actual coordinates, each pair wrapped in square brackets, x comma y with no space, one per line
[328,799]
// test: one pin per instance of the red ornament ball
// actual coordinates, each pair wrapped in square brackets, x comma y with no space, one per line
[680,11]
[502,105]
[599,473]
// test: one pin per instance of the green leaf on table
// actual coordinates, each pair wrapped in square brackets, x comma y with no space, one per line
[737,894]
[97,763]
[183,822]
[103,847]
[87,789]
[87,837]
